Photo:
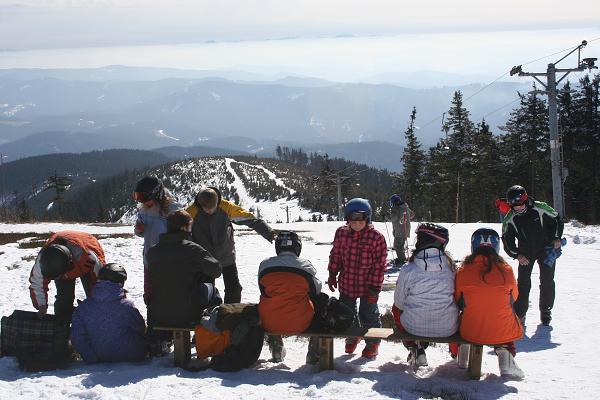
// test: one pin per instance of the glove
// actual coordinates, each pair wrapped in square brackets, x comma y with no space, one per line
[332,281]
[373,296]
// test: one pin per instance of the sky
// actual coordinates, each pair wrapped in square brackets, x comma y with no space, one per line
[334,39]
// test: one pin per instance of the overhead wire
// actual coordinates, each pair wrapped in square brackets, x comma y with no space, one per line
[500,77]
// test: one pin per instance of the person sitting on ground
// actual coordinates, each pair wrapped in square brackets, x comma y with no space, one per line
[288,289]
[106,326]
[213,231]
[485,291]
[424,296]
[182,275]
[359,256]
[66,256]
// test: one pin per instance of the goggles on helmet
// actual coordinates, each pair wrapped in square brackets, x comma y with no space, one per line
[141,197]
[518,199]
[358,216]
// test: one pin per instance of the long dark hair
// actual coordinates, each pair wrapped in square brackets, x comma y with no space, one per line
[492,259]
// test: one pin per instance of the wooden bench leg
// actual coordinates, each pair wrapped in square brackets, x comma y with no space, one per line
[475,356]
[325,353]
[183,347]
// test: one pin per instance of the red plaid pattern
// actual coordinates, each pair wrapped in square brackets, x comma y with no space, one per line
[360,260]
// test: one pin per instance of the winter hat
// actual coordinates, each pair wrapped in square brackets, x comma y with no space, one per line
[113,272]
[149,188]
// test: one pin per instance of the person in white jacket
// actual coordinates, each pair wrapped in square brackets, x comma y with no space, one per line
[424,297]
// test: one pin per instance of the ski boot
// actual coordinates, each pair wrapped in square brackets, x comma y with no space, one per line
[351,344]
[371,350]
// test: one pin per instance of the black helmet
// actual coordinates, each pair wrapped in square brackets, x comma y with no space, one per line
[516,195]
[288,241]
[113,272]
[431,235]
[55,260]
[149,188]
[395,200]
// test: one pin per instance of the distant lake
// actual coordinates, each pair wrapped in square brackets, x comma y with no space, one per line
[342,58]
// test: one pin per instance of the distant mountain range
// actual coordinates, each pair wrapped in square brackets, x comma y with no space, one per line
[121,107]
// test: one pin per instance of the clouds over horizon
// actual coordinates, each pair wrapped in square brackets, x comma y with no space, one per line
[35,24]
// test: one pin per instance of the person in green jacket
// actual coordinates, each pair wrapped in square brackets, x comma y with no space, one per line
[537,228]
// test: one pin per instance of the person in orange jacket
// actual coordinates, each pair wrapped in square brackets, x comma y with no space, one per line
[66,255]
[288,292]
[485,290]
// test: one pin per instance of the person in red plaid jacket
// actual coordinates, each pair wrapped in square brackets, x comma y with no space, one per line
[356,264]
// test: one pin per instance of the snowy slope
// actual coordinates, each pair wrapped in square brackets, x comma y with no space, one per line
[560,362]
[185,178]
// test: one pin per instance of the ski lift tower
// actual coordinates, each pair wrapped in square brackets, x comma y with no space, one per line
[558,173]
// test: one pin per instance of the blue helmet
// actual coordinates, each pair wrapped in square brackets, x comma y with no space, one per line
[358,205]
[485,238]
[395,200]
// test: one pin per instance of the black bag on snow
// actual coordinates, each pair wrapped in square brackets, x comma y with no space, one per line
[39,343]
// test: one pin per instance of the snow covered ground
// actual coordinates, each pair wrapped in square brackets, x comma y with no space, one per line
[560,362]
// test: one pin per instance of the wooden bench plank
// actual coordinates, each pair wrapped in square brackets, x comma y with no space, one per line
[182,344]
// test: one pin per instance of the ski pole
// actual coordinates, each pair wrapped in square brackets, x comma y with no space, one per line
[388,237]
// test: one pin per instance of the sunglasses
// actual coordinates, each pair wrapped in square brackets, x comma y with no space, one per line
[358,216]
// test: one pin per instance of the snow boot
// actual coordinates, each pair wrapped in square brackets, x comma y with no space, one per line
[463,356]
[371,350]
[417,357]
[507,364]
[546,317]
[276,347]
[351,344]
[312,356]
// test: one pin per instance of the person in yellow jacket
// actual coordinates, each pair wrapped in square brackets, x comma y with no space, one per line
[213,230]
[485,290]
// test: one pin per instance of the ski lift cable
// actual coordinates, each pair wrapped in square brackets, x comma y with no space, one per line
[500,77]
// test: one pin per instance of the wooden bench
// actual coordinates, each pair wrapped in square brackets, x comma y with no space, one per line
[182,344]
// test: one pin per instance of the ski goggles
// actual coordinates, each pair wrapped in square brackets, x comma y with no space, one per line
[141,197]
[518,200]
[358,216]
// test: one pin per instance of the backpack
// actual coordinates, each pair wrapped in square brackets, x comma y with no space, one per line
[40,343]
[331,315]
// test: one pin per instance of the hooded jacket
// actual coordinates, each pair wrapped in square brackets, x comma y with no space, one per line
[107,327]
[534,229]
[177,267]
[487,313]
[87,259]
[215,232]
[287,284]
[425,295]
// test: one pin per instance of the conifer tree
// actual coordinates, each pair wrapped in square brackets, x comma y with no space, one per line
[413,159]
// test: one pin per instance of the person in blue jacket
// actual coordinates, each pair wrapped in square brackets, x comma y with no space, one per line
[106,326]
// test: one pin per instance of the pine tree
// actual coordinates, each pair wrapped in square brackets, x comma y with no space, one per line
[413,158]
[526,146]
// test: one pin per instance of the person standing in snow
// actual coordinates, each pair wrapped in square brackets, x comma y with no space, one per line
[424,296]
[485,290]
[357,263]
[66,256]
[154,204]
[537,228]
[212,229]
[401,215]
[288,292]
[106,326]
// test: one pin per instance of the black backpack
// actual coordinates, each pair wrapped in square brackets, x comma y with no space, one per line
[331,315]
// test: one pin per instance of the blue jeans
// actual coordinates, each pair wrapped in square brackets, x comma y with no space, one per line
[368,314]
